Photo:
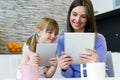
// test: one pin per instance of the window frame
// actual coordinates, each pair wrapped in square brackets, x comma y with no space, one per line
[114,4]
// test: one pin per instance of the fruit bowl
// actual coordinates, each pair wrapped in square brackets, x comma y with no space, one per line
[14,46]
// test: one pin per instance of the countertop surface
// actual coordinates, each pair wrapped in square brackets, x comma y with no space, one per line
[113,78]
[10,53]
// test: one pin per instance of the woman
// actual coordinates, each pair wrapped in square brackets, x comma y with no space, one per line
[81,19]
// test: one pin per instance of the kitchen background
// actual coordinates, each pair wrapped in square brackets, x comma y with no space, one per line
[18,18]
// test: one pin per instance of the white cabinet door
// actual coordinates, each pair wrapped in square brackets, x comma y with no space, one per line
[4,66]
[15,62]
[102,6]
[116,63]
[8,65]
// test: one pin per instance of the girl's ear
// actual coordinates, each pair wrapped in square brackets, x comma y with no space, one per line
[38,32]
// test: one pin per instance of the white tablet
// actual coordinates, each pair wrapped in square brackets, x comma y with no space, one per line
[46,51]
[77,43]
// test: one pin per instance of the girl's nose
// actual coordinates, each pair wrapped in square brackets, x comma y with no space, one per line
[53,35]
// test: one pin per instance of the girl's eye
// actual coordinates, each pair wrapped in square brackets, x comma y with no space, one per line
[56,34]
[49,32]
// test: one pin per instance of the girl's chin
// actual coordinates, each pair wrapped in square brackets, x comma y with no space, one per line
[50,41]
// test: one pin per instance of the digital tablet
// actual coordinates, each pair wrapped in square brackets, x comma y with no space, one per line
[77,43]
[46,51]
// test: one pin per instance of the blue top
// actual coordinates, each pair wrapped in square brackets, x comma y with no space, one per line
[74,69]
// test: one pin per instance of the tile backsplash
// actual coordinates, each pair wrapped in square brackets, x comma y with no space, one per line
[18,18]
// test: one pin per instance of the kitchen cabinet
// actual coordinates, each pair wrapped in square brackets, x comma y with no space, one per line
[8,65]
[4,66]
[108,24]
[102,6]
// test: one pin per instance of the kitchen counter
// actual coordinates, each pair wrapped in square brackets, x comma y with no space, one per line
[112,78]
[10,53]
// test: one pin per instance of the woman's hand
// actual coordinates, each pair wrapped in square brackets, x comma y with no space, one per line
[34,59]
[53,61]
[64,61]
[91,57]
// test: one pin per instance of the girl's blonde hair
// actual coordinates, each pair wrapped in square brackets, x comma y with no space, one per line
[47,24]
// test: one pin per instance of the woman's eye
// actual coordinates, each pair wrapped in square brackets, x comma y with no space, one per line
[74,14]
[84,16]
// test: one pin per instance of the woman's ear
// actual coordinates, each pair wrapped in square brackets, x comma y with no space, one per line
[38,32]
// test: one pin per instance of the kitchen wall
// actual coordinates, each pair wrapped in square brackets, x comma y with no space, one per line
[18,18]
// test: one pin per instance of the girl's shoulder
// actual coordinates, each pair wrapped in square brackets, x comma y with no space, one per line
[25,46]
[26,49]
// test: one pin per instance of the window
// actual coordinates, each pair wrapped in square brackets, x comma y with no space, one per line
[116,4]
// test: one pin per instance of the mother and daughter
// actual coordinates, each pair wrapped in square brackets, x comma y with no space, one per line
[81,19]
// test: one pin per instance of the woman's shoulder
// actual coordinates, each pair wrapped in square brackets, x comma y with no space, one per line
[100,37]
[60,38]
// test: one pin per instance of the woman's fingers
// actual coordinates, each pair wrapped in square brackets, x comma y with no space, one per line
[91,57]
[64,61]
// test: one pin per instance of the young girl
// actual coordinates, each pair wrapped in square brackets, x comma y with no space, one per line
[46,32]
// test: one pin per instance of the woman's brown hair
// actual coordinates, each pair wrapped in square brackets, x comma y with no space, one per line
[91,23]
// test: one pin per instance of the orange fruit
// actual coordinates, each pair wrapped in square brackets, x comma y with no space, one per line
[14,44]
[13,50]
[19,45]
[18,50]
[9,45]
[14,47]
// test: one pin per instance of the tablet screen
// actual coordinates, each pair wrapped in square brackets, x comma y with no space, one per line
[77,43]
[46,51]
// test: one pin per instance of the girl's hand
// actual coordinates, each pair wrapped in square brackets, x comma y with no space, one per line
[91,57]
[64,61]
[34,59]
[53,61]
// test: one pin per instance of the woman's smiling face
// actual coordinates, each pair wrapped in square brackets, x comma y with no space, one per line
[78,18]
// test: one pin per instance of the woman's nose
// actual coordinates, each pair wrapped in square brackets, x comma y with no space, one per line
[77,19]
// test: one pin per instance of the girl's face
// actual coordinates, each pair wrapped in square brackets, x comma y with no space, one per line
[78,18]
[47,37]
